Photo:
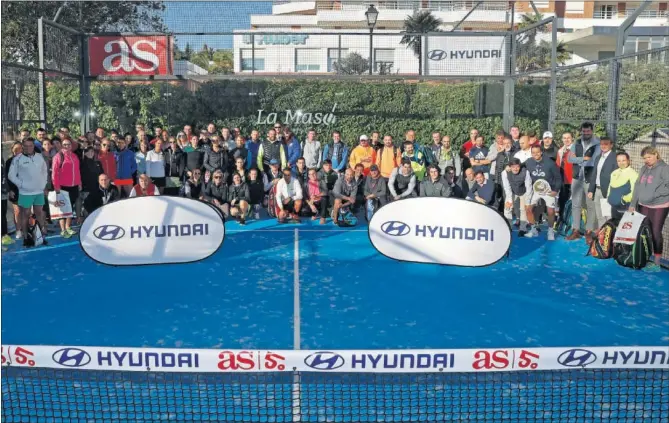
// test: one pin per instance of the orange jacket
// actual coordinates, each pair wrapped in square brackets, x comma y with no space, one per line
[388,159]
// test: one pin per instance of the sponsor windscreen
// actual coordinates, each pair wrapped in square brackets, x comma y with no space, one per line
[360,361]
[152,230]
[130,55]
[441,231]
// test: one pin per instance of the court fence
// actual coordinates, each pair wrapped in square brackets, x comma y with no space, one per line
[579,384]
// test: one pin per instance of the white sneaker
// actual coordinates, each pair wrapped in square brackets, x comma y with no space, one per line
[19,235]
[532,233]
[551,234]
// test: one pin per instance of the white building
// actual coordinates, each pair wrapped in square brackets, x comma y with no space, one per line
[322,35]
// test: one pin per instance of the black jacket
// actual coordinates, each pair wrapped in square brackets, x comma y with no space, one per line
[213,192]
[90,170]
[610,164]
[238,193]
[175,163]
[194,159]
[256,191]
[95,198]
[214,160]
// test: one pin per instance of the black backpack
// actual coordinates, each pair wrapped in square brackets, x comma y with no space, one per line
[638,254]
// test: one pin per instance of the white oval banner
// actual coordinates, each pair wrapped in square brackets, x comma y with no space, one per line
[152,230]
[440,230]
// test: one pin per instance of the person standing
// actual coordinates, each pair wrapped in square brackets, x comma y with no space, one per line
[651,195]
[271,149]
[446,156]
[252,146]
[517,185]
[312,151]
[363,154]
[66,176]
[107,159]
[337,153]
[566,170]
[175,166]
[28,172]
[194,154]
[548,148]
[388,157]
[582,156]
[126,167]
[91,169]
[292,145]
[140,156]
[155,165]
[621,186]
[600,178]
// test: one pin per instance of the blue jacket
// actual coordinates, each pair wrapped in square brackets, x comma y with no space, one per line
[339,161]
[293,151]
[252,148]
[126,164]
[487,192]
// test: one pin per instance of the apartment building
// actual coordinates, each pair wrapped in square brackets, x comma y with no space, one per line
[323,34]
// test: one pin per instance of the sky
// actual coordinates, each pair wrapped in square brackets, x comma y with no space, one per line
[213,16]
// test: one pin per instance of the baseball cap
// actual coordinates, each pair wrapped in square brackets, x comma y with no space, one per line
[364,137]
[373,167]
[548,134]
[274,162]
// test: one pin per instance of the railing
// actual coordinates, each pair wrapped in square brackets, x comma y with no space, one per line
[648,13]
[434,5]
[605,14]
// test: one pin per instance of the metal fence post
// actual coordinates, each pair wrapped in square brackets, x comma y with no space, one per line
[510,85]
[423,55]
[253,54]
[84,86]
[41,77]
[552,110]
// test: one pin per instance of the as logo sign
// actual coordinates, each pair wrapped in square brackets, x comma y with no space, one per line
[148,55]
[441,231]
[152,230]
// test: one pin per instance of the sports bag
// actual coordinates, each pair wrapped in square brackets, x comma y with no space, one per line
[346,219]
[271,202]
[34,236]
[564,226]
[371,206]
[601,246]
[638,254]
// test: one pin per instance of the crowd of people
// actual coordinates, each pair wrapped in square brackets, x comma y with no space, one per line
[526,178]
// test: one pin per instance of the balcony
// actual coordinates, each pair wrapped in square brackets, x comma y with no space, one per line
[606,14]
[407,5]
[648,13]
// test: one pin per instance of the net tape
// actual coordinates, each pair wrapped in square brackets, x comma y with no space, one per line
[349,361]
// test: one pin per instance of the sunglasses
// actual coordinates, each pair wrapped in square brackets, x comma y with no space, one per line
[104,145]
[215,177]
[66,145]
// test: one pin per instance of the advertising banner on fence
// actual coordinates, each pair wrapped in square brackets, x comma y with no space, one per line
[628,228]
[333,361]
[484,55]
[152,230]
[441,231]
[130,55]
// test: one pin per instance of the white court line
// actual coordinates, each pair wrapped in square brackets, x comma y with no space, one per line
[296,292]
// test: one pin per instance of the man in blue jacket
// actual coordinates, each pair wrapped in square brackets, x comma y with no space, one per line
[293,149]
[126,167]
[337,152]
[543,168]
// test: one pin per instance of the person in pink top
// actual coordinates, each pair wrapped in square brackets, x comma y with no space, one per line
[66,176]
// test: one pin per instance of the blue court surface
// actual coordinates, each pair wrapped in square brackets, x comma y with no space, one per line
[350,297]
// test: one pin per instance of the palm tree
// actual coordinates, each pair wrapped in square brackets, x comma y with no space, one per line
[536,55]
[419,23]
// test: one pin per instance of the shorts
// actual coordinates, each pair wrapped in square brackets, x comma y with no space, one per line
[27,201]
[74,194]
[159,182]
[550,201]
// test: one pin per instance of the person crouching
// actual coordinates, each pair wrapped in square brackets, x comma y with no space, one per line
[288,197]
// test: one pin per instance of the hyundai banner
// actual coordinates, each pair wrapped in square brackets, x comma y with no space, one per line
[152,230]
[325,361]
[441,231]
[484,55]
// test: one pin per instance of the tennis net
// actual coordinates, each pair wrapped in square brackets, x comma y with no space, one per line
[84,384]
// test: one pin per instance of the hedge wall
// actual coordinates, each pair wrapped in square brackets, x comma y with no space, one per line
[361,107]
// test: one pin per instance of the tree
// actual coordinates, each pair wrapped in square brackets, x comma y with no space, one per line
[420,22]
[19,26]
[224,62]
[353,64]
[535,45]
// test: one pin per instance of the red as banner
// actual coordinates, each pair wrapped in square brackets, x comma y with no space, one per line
[130,55]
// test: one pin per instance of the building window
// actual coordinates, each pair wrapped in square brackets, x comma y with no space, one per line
[384,60]
[606,11]
[333,57]
[250,62]
[307,59]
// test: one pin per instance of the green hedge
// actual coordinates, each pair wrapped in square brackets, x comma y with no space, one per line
[391,108]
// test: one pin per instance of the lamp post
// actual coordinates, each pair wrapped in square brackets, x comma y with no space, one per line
[371,14]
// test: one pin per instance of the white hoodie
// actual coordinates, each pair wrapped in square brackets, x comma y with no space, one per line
[284,190]
[29,173]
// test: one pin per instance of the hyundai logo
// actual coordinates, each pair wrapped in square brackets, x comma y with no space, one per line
[324,360]
[577,358]
[109,232]
[394,228]
[436,55]
[71,357]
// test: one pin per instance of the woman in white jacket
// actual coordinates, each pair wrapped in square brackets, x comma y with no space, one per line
[155,165]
